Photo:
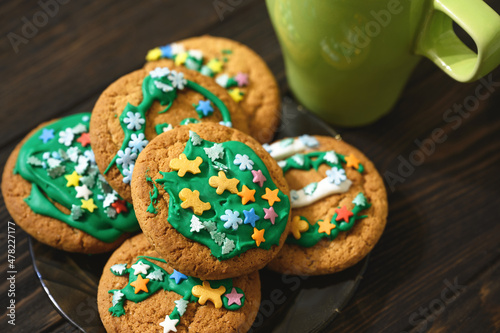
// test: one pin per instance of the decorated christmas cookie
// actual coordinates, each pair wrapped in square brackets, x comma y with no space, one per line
[235,67]
[140,105]
[54,191]
[211,200]
[139,292]
[339,205]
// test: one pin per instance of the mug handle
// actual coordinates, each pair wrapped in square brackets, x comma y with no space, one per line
[439,43]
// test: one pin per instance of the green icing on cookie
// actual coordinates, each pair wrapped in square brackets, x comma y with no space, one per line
[145,275]
[59,163]
[163,127]
[223,223]
[162,86]
[330,230]
[153,196]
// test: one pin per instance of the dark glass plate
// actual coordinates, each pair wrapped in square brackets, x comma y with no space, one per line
[289,303]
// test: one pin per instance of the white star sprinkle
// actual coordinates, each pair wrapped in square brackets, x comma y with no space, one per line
[169,324]
[83,192]
[140,267]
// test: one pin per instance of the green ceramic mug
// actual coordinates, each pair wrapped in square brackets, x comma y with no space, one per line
[348,60]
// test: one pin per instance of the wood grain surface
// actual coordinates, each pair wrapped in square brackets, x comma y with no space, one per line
[437,266]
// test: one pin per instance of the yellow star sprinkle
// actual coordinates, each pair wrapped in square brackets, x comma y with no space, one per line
[181,58]
[140,284]
[271,196]
[153,54]
[236,95]
[191,199]
[73,179]
[89,205]
[222,183]
[182,164]
[326,227]
[215,65]
[207,293]
[298,227]
[352,161]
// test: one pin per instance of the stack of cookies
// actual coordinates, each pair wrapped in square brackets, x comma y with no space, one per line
[173,171]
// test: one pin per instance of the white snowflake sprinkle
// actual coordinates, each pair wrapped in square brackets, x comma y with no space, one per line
[243,161]
[336,175]
[163,86]
[137,142]
[159,72]
[232,219]
[66,137]
[134,121]
[127,173]
[125,158]
[309,141]
[177,79]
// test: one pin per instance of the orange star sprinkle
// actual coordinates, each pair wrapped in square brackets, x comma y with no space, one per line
[326,227]
[84,139]
[258,236]
[140,284]
[246,195]
[343,214]
[271,196]
[298,227]
[352,161]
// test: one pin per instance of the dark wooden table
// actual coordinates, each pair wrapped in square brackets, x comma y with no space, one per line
[437,266]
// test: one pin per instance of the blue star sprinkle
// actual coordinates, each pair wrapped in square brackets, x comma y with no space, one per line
[178,276]
[250,217]
[204,108]
[47,135]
